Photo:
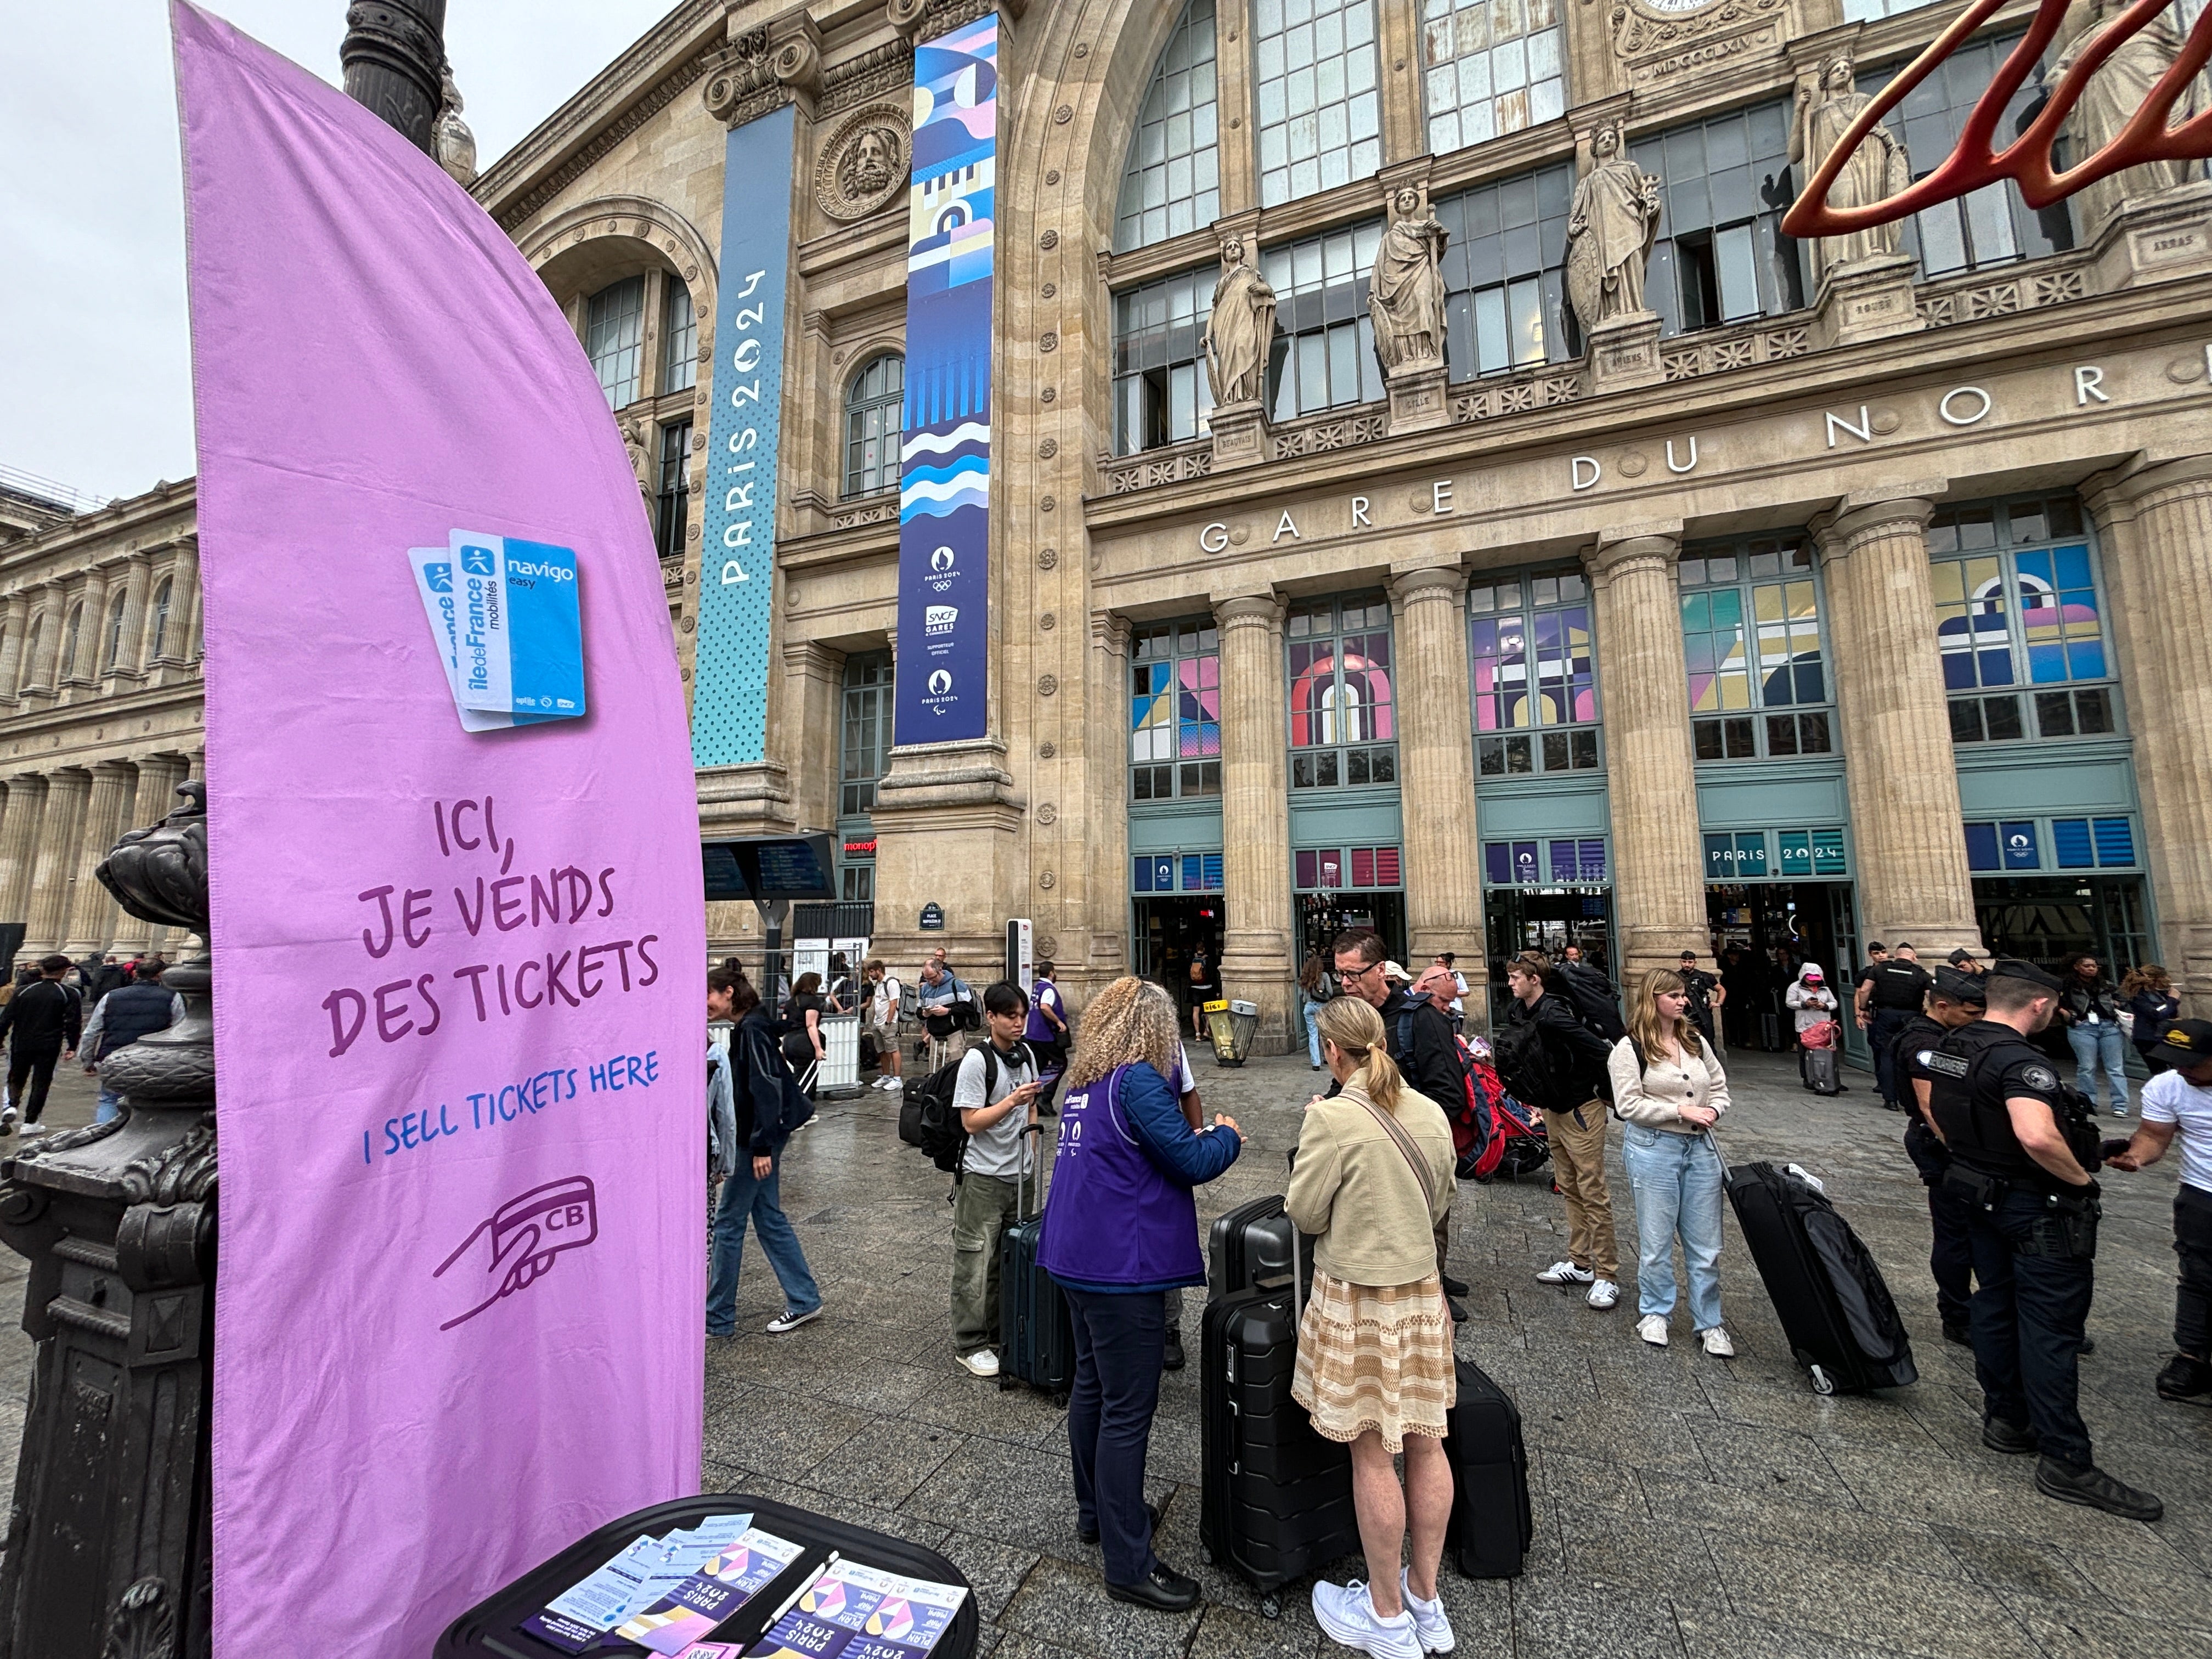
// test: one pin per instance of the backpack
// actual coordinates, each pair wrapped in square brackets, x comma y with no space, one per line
[1480,1124]
[967,1016]
[928,1119]
[1595,999]
[1523,1063]
[1198,972]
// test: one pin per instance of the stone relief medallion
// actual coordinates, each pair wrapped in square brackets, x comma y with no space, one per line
[864,164]
[1659,40]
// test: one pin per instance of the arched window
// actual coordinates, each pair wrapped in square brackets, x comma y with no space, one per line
[67,666]
[1172,182]
[679,334]
[614,331]
[161,615]
[112,651]
[873,425]
[1320,98]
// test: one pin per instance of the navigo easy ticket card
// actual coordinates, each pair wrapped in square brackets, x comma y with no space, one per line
[434,586]
[522,644]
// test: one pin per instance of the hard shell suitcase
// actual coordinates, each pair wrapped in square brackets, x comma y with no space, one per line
[1249,1245]
[1037,1332]
[1275,1498]
[1823,1073]
[1492,1522]
[1835,1306]
[1770,1033]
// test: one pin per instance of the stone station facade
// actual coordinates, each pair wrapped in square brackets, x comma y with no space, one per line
[1830,598]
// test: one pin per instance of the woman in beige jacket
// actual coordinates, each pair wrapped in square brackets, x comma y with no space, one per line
[1669,1091]
[1374,1179]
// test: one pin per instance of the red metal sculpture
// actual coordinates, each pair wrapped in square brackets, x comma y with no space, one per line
[2029,159]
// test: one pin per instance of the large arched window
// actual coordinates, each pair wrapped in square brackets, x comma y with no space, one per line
[680,336]
[161,615]
[873,425]
[1172,183]
[614,335]
[1320,98]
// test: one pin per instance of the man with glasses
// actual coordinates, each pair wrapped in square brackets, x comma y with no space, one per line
[1418,1035]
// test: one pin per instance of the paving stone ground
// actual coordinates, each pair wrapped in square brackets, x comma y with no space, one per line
[1685,1506]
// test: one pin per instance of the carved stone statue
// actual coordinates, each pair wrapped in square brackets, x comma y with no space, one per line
[640,462]
[457,145]
[1241,330]
[873,163]
[1406,292]
[1611,226]
[1878,169]
[863,164]
[2111,100]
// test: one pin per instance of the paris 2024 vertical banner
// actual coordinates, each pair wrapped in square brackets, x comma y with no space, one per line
[945,457]
[457,912]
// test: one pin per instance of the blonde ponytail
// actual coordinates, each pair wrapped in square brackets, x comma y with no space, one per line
[1357,1030]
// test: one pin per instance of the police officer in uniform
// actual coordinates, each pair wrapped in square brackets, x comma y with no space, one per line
[2021,1157]
[1890,993]
[1956,1000]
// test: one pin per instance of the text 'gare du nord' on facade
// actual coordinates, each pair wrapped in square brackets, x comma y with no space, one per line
[1832,604]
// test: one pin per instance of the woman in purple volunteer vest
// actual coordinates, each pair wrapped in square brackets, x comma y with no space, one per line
[1119,1228]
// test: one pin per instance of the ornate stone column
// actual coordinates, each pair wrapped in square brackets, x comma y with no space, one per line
[1105,764]
[14,617]
[154,794]
[137,582]
[92,913]
[92,637]
[1908,852]
[67,793]
[1436,773]
[1658,874]
[813,683]
[19,844]
[2155,518]
[48,648]
[184,605]
[1257,959]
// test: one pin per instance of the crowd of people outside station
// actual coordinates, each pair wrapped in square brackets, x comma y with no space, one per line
[1972,1056]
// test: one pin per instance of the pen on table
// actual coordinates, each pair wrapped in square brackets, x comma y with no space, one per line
[792,1600]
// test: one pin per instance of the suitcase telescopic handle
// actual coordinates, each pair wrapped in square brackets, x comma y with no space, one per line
[1036,1173]
[1298,1294]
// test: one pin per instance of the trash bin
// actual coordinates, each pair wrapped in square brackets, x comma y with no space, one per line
[1232,1025]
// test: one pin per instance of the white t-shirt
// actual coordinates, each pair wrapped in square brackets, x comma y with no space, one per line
[2170,1097]
[883,1000]
[1000,1149]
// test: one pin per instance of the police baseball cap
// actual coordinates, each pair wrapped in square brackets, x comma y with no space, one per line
[1959,957]
[2183,1043]
[1876,945]
[2014,968]
[1955,985]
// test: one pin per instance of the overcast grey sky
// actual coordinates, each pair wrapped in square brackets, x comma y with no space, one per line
[95,361]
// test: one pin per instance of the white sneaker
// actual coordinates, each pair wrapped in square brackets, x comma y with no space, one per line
[1565,1272]
[1717,1343]
[1653,1329]
[1603,1294]
[1347,1615]
[788,1321]
[983,1362]
[34,1129]
[1431,1624]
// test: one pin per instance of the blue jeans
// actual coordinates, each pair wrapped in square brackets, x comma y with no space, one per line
[110,1107]
[742,1197]
[2092,1043]
[1310,1011]
[1119,1344]
[1677,1182]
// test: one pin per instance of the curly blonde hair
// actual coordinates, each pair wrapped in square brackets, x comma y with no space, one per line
[1131,1019]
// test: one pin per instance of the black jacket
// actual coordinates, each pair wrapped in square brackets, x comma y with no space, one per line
[2082,998]
[43,1014]
[769,1101]
[1575,1056]
[133,1012]
[1428,1058]
[2152,1009]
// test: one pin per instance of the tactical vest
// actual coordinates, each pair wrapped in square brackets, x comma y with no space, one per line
[1969,1104]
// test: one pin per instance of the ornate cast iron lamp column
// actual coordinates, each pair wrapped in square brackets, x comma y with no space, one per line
[394,54]
[107,1541]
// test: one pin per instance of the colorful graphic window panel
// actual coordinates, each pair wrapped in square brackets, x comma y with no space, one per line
[1201,872]
[2018,844]
[1738,857]
[1784,630]
[2058,615]
[1535,667]
[1971,627]
[1341,693]
[1574,862]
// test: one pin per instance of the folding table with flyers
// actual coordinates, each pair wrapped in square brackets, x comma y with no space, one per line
[723,1576]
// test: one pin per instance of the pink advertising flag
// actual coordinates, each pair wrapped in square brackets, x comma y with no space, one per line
[458,919]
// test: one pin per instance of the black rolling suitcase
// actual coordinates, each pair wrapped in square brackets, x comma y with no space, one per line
[1251,1245]
[1275,1501]
[1835,1308]
[1492,1522]
[1824,1071]
[1037,1334]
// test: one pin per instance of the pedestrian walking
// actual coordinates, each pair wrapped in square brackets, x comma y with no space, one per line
[1669,1089]
[996,1092]
[1551,1060]
[120,1019]
[2091,1014]
[2178,1101]
[1956,999]
[1312,992]
[1120,1228]
[1811,1005]
[1891,990]
[2017,1161]
[2148,1007]
[1372,1182]
[1205,986]
[766,1105]
[43,1023]
[803,1048]
[880,992]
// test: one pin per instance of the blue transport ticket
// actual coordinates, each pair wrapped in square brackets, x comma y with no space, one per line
[434,586]
[521,643]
